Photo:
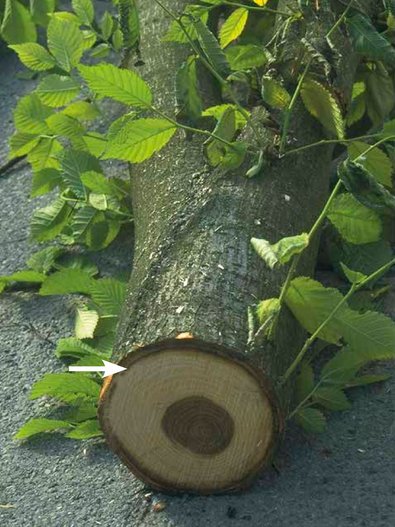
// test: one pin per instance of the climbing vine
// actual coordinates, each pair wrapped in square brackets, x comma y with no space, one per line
[59,131]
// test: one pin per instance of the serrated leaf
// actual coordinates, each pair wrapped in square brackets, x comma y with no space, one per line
[379,93]
[274,94]
[342,367]
[368,41]
[98,201]
[211,48]
[225,128]
[65,387]
[176,34]
[65,126]
[74,163]
[57,90]
[304,383]
[332,398]
[106,25]
[354,277]
[77,261]
[355,222]
[43,261]
[365,188]
[86,430]
[121,85]
[73,347]
[84,10]
[311,420]
[129,23]
[365,258]
[34,56]
[65,42]
[282,251]
[49,221]
[82,110]
[101,232]
[21,144]
[83,218]
[108,294]
[85,323]
[67,281]
[30,115]
[45,154]
[44,181]
[268,308]
[81,413]
[233,26]
[17,26]
[376,162]
[218,111]
[323,106]
[245,57]
[38,426]
[187,92]
[100,184]
[311,303]
[139,139]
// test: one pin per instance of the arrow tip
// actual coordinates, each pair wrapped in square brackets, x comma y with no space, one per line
[111,368]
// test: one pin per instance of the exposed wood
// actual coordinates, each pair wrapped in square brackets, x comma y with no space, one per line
[200,414]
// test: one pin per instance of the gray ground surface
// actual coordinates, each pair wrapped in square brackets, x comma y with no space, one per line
[344,478]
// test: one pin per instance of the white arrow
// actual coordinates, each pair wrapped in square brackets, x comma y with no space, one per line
[109,368]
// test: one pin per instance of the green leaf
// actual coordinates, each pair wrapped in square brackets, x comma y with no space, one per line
[363,380]
[82,110]
[74,163]
[211,48]
[355,222]
[44,181]
[267,311]
[121,85]
[77,261]
[21,144]
[41,11]
[108,294]
[376,162]
[65,386]
[65,126]
[379,93]
[332,398]
[139,139]
[81,413]
[187,92]
[34,56]
[65,42]
[101,232]
[274,94]
[176,34]
[342,367]
[17,26]
[245,57]
[218,111]
[129,23]
[100,184]
[30,115]
[43,261]
[354,277]
[365,258]
[73,347]
[37,426]
[85,430]
[84,10]
[225,128]
[106,25]
[98,201]
[368,41]
[311,420]
[49,221]
[233,26]
[304,383]
[45,154]
[117,40]
[323,106]
[67,281]
[24,276]
[85,323]
[365,188]
[311,303]
[57,90]
[282,251]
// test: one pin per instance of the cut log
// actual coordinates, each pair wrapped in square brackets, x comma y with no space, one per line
[198,413]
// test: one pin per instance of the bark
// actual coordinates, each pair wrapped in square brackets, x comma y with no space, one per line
[195,272]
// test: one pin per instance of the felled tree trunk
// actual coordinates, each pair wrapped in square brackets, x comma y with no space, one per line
[197,413]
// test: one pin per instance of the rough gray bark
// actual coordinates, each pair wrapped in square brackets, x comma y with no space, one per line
[194,269]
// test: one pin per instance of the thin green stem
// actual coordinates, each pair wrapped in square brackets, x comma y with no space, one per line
[302,403]
[290,108]
[354,287]
[330,142]
[340,20]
